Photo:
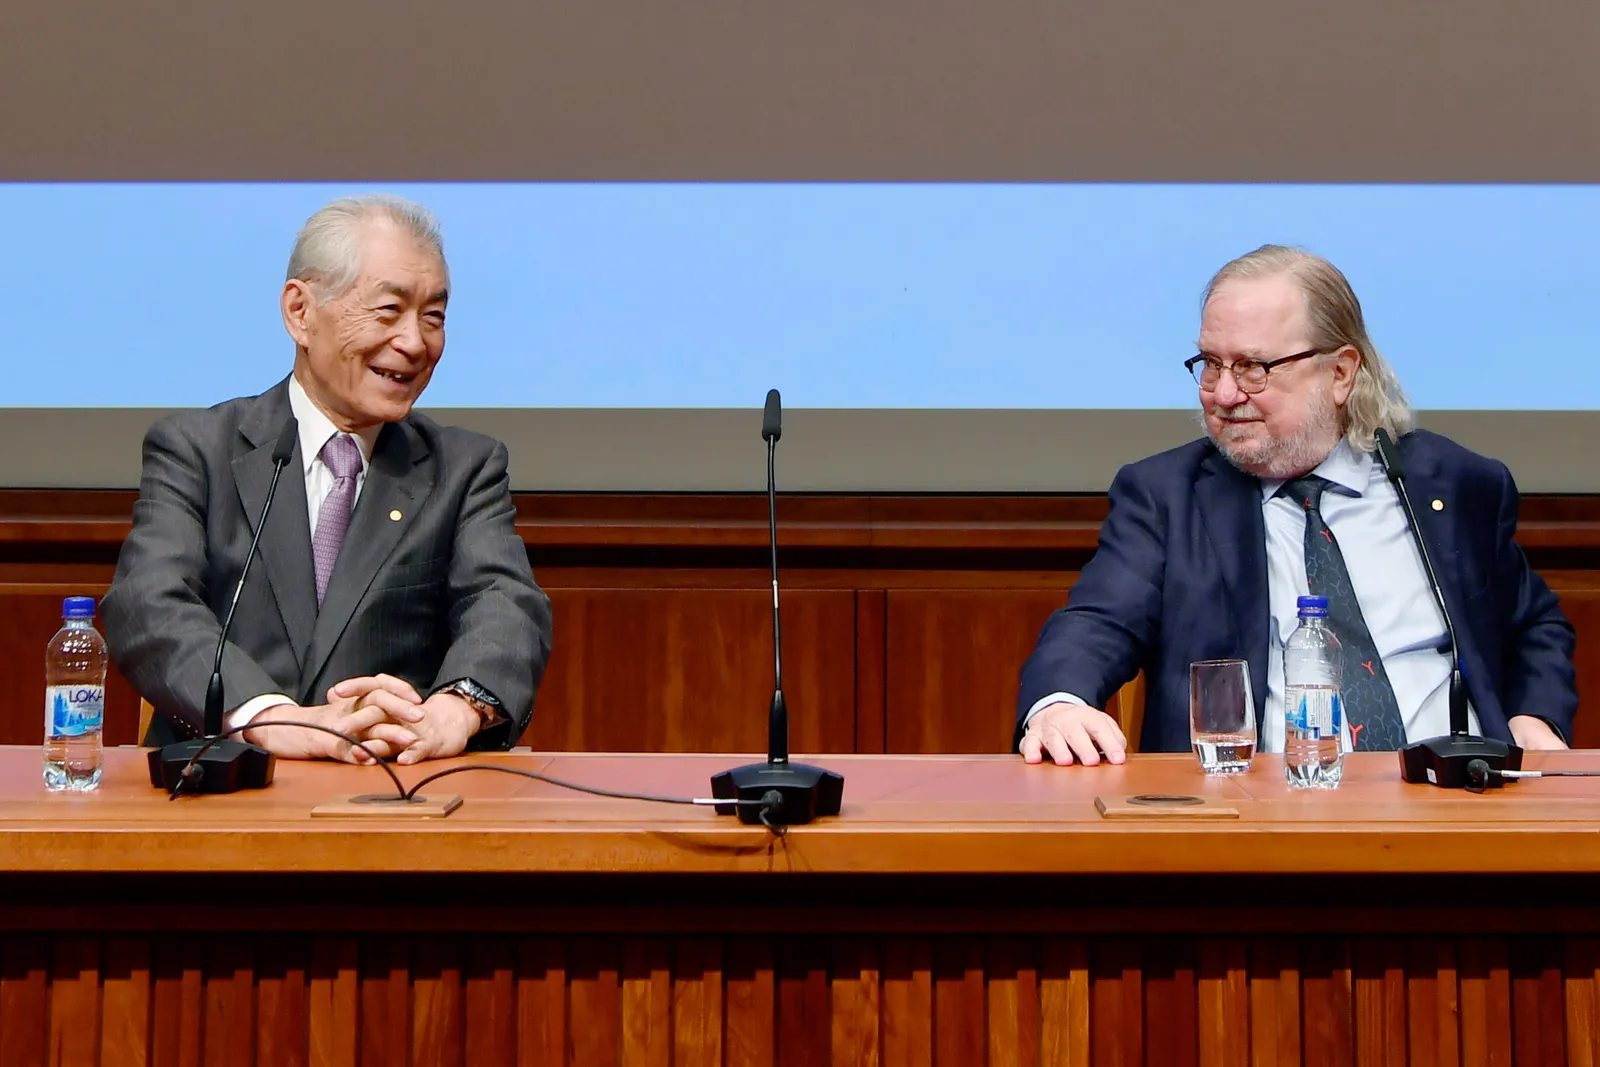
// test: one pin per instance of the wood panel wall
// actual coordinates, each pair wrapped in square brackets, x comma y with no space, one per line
[506,1000]
[905,618]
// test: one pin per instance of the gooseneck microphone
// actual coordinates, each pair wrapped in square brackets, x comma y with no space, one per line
[1443,761]
[777,791]
[211,764]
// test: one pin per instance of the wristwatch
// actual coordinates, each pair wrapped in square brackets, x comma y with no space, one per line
[478,698]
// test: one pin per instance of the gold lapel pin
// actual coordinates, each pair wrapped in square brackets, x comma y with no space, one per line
[1438,505]
[395,516]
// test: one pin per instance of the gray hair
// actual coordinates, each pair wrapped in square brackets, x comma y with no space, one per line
[1334,320]
[327,250]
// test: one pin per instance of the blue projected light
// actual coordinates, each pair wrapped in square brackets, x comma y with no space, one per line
[937,296]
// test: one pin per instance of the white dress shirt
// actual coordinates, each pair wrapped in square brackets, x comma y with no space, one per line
[1407,628]
[315,431]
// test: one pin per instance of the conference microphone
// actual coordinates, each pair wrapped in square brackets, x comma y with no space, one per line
[1481,776]
[1445,760]
[213,764]
[777,792]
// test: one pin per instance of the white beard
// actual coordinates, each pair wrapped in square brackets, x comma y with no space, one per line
[1285,457]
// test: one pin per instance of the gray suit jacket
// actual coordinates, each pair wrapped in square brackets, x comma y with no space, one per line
[439,593]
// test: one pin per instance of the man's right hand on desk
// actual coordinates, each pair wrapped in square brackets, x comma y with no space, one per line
[1073,733]
[372,710]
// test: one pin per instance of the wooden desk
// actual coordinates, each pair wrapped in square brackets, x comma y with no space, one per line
[961,911]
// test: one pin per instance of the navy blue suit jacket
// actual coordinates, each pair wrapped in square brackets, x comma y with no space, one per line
[1181,575]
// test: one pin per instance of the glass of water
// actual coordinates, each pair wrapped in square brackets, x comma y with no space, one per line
[1222,715]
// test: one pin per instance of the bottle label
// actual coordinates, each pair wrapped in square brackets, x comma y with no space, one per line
[74,710]
[1319,713]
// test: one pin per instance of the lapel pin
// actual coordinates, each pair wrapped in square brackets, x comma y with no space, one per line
[395,516]
[1438,505]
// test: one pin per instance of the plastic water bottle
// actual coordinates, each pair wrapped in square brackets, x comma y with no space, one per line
[1313,668]
[74,699]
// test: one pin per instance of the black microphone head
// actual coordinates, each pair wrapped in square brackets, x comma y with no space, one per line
[283,451]
[1388,455]
[772,418]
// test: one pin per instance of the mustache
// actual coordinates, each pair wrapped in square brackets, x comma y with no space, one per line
[1237,411]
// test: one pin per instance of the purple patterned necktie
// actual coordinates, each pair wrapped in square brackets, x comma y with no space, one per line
[343,458]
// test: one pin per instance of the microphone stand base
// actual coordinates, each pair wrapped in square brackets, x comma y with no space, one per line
[1442,761]
[227,766]
[807,791]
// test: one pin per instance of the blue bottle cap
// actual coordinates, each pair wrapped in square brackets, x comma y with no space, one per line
[78,607]
[1312,607]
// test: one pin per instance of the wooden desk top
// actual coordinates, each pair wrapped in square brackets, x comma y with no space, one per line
[902,815]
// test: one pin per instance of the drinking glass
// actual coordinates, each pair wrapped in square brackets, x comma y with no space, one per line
[1222,715]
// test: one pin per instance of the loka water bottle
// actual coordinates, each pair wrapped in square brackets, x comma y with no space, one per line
[1313,667]
[74,699]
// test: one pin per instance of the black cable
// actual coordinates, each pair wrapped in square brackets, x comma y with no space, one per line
[767,804]
[188,768]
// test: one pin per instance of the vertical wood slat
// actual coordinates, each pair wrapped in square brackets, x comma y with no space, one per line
[75,1001]
[960,1006]
[749,1003]
[178,1009]
[125,1003]
[436,1008]
[541,1002]
[1065,997]
[872,652]
[1433,1008]
[333,1002]
[1274,1002]
[230,1001]
[804,1029]
[594,1003]
[1580,973]
[856,1003]
[1379,969]
[907,1002]
[646,1013]
[1538,1027]
[1116,1003]
[1485,1004]
[697,1003]
[1223,1004]
[1328,1011]
[282,1008]
[490,1003]
[1170,1002]
[24,1000]
[1014,1000]
[385,1011]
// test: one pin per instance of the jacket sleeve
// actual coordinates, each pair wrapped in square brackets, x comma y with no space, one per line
[1094,645]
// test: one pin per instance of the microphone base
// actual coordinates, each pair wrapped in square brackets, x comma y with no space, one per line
[807,791]
[227,766]
[1442,761]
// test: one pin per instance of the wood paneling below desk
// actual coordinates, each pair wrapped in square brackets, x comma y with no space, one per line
[1368,925]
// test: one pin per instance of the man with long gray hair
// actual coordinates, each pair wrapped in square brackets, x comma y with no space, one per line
[1206,548]
[393,601]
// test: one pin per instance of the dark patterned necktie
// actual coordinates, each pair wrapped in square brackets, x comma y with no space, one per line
[1365,691]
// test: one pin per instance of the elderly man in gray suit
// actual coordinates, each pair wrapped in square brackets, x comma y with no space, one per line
[393,600]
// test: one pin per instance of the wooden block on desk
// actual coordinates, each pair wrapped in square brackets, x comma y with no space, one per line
[387,806]
[1163,806]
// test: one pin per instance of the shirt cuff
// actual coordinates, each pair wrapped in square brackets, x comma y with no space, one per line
[241,715]
[1053,698]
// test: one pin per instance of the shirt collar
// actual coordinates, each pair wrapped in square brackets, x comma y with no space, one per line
[1344,467]
[316,428]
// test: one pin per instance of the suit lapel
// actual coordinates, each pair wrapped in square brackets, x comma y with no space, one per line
[1425,485]
[1230,507]
[396,485]
[285,547]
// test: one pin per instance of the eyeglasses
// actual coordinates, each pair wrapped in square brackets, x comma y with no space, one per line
[1249,374]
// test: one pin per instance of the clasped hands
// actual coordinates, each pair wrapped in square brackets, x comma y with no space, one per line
[384,712]
[1073,733]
